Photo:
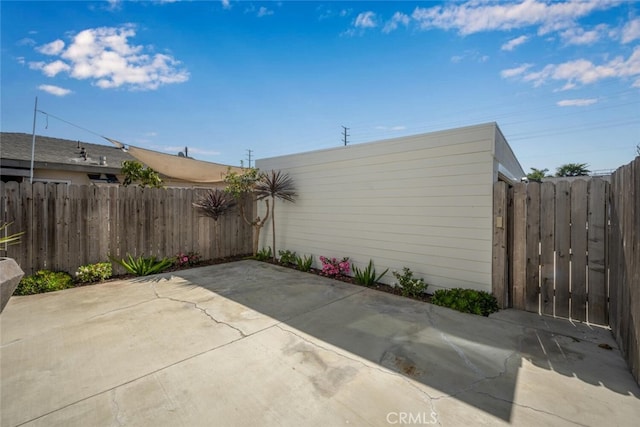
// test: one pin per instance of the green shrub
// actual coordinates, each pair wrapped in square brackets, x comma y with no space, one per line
[142,266]
[44,281]
[367,276]
[410,287]
[264,254]
[94,272]
[287,257]
[466,300]
[304,264]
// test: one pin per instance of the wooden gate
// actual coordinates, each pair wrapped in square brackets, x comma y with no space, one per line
[549,248]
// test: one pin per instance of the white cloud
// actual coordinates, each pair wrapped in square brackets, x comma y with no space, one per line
[631,31]
[578,36]
[53,48]
[514,72]
[263,11]
[365,20]
[584,72]
[576,102]
[21,60]
[104,56]
[397,19]
[392,128]
[55,67]
[476,16]
[26,42]
[513,43]
[54,90]
[470,55]
[225,4]
[114,4]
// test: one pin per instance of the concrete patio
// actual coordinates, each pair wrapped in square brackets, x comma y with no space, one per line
[250,343]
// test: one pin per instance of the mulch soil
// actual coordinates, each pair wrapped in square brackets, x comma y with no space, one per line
[378,286]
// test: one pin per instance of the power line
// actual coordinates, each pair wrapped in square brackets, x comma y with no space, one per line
[69,123]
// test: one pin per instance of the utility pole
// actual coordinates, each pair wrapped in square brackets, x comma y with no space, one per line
[345,135]
[249,156]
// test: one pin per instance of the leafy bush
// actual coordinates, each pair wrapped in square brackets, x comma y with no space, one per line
[264,254]
[188,259]
[287,257]
[367,276]
[331,267]
[44,281]
[304,264]
[142,266]
[466,300]
[409,287]
[94,272]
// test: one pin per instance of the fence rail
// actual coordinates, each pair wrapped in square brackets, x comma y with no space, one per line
[67,226]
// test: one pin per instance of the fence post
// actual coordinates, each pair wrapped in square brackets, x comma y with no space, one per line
[499,268]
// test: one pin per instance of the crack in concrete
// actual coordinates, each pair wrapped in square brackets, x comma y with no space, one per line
[201,309]
[115,310]
[116,407]
[363,363]
[519,405]
[471,387]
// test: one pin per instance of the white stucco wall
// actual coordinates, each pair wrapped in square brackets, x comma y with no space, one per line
[422,201]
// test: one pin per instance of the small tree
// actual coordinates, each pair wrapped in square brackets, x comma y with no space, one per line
[239,186]
[275,185]
[135,172]
[537,174]
[573,169]
[214,204]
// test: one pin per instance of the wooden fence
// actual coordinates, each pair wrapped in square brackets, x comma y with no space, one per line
[570,249]
[67,226]
[555,244]
[624,265]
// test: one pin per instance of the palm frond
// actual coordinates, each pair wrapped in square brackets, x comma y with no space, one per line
[277,185]
[215,203]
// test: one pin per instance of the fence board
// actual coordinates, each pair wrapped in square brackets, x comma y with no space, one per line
[499,245]
[547,246]
[579,198]
[62,244]
[93,224]
[597,298]
[40,217]
[532,293]
[563,244]
[519,278]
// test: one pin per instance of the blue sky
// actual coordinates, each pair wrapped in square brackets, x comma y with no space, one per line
[562,79]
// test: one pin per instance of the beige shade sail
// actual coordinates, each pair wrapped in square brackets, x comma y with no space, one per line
[178,167]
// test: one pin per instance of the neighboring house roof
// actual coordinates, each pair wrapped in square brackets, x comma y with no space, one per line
[61,154]
[78,156]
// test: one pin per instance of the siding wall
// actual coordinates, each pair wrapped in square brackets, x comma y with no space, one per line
[422,201]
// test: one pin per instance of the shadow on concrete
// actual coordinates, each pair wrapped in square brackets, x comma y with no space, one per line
[473,359]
